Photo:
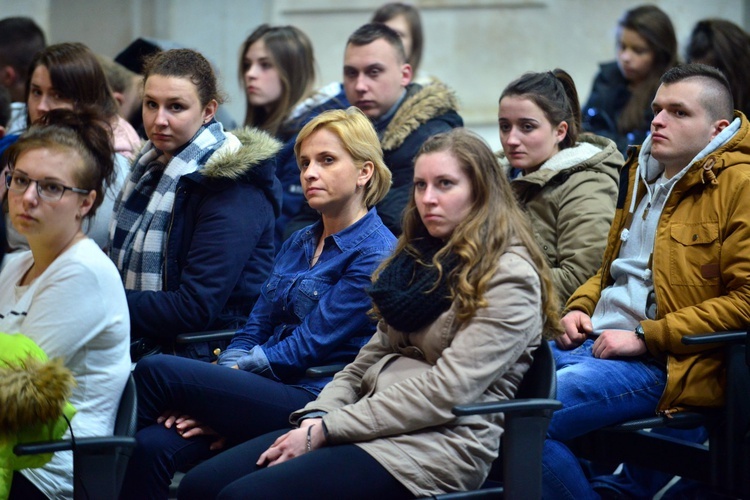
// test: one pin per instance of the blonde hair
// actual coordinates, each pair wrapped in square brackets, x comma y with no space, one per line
[479,241]
[359,139]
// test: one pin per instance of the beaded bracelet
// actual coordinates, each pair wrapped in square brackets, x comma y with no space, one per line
[309,438]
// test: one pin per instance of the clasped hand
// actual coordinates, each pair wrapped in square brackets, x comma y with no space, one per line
[609,344]
[187,427]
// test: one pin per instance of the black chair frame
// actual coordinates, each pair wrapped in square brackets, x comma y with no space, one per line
[518,471]
[722,464]
[99,463]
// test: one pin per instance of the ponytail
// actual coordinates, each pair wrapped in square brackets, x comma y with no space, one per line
[556,95]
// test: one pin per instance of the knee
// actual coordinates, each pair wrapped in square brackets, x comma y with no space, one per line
[150,365]
[144,371]
[199,484]
[152,445]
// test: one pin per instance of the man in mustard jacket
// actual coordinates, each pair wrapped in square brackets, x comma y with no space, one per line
[677,263]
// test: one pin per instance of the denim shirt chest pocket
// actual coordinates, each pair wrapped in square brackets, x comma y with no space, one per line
[309,292]
[272,287]
[694,254]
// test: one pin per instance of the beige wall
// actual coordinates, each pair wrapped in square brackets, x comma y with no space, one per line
[475,46]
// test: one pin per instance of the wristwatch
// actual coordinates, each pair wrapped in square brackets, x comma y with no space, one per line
[640,333]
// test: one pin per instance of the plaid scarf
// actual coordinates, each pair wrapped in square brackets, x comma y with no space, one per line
[142,212]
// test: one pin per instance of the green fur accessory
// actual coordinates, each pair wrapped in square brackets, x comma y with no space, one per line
[33,398]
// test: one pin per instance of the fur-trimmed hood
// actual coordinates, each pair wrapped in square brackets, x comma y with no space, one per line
[591,153]
[421,104]
[243,150]
[247,155]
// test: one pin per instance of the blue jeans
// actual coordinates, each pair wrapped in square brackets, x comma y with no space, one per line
[238,405]
[595,393]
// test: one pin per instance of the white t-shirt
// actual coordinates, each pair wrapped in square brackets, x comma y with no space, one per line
[75,310]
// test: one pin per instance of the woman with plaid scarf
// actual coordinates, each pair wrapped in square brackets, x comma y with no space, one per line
[192,231]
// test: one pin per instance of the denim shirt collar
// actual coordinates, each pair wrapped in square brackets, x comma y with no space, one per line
[346,238]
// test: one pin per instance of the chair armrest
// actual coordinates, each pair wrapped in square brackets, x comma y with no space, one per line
[509,406]
[324,371]
[189,338]
[715,338]
[88,444]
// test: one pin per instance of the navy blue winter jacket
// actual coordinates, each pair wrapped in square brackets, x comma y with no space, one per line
[219,248]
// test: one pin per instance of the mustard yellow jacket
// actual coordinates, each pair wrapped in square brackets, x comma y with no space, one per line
[701,269]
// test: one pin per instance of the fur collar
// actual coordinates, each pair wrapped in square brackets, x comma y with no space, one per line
[244,149]
[420,105]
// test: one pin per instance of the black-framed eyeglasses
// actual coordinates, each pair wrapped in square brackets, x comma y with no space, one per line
[47,190]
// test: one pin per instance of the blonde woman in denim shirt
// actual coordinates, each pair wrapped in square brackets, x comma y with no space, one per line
[312,311]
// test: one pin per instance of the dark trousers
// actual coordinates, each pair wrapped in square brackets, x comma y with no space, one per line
[332,472]
[236,404]
[23,489]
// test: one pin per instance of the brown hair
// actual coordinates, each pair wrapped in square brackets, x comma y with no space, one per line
[292,54]
[651,23]
[86,132]
[724,45]
[479,241]
[368,33]
[20,41]
[189,64]
[716,96]
[76,74]
[390,10]
[555,94]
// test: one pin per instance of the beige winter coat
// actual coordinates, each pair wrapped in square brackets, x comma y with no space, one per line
[394,400]
[570,201]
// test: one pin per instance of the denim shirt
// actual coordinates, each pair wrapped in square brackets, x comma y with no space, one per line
[310,316]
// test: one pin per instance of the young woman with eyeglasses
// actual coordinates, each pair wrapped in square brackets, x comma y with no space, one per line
[64,293]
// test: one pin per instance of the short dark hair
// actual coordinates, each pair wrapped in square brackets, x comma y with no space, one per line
[716,96]
[20,39]
[370,32]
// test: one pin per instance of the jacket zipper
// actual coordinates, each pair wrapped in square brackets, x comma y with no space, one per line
[166,242]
